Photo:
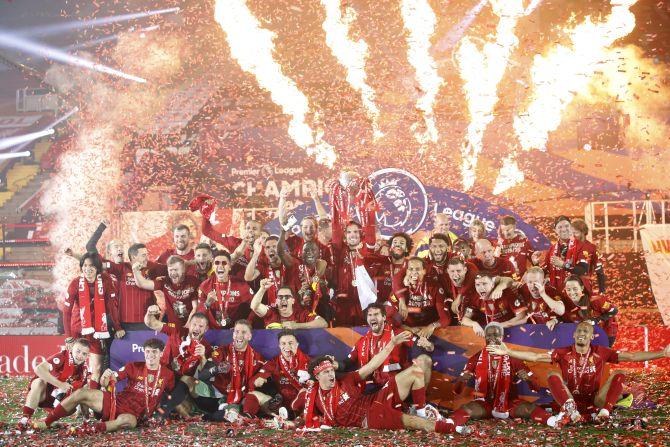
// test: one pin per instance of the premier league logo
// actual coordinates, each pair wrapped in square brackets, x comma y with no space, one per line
[402,199]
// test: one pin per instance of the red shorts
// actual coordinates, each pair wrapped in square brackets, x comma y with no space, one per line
[123,406]
[488,406]
[384,412]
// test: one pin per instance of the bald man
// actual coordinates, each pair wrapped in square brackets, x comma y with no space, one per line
[487,262]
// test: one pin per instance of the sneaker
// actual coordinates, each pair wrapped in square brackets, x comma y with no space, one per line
[570,409]
[429,412]
[463,430]
[283,413]
[231,415]
[602,415]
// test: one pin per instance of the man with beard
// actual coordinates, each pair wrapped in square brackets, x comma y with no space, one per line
[441,225]
[425,300]
[388,272]
[462,285]
[513,245]
[201,267]
[439,250]
[310,271]
[244,246]
[147,381]
[274,270]
[341,403]
[285,375]
[226,380]
[545,304]
[497,304]
[578,387]
[223,297]
[180,291]
[496,395]
[186,353]
[181,237]
[378,335]
[284,314]
[563,257]
[486,261]
[56,378]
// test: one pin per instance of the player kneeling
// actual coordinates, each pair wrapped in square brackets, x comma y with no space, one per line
[135,404]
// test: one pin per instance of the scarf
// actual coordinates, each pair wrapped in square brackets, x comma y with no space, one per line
[239,376]
[501,379]
[187,358]
[328,402]
[372,344]
[97,327]
[289,368]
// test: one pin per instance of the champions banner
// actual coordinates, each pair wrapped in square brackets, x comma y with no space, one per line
[453,347]
[656,244]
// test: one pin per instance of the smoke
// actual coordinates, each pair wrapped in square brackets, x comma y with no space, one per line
[85,187]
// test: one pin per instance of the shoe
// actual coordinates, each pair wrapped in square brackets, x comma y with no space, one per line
[231,415]
[39,425]
[602,415]
[429,412]
[570,408]
[274,403]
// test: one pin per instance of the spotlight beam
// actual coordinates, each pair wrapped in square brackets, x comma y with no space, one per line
[13,141]
[14,155]
[56,28]
[94,42]
[10,41]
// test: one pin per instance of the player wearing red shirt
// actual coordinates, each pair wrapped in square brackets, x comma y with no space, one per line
[439,252]
[202,267]
[497,303]
[182,240]
[223,297]
[565,257]
[341,403]
[545,304]
[284,314]
[285,375]
[56,378]
[425,299]
[582,306]
[274,269]
[91,310]
[462,285]
[378,335]
[589,252]
[579,388]
[136,403]
[133,300]
[495,391]
[180,291]
[513,245]
[486,261]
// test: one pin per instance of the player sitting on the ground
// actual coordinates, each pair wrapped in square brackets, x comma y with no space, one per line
[578,388]
[135,404]
[495,392]
[56,378]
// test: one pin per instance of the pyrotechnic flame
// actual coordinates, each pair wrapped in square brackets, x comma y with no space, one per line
[566,72]
[252,47]
[481,71]
[563,73]
[352,55]
[419,21]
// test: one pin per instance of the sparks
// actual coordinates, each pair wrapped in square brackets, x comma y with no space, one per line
[419,21]
[252,47]
[481,71]
[352,55]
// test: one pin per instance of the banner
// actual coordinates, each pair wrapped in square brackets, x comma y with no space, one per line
[19,355]
[453,347]
[407,205]
[656,245]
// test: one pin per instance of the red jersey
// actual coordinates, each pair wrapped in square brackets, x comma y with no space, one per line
[516,250]
[501,267]
[469,295]
[71,310]
[538,311]
[288,375]
[243,367]
[583,372]
[571,253]
[295,244]
[279,276]
[493,374]
[144,389]
[371,344]
[385,274]
[178,353]
[503,309]
[427,303]
[299,316]
[178,297]
[345,403]
[62,367]
[230,243]
[591,307]
[133,301]
[231,298]
[188,256]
